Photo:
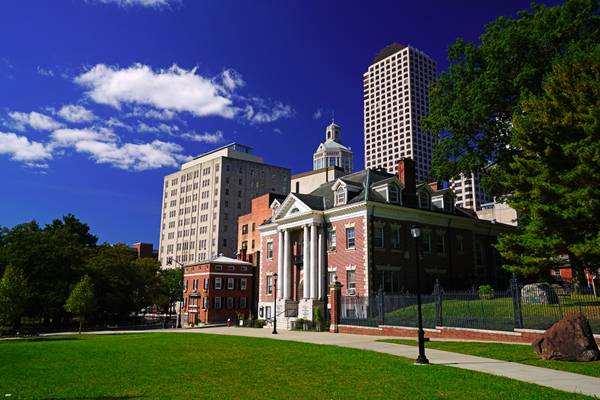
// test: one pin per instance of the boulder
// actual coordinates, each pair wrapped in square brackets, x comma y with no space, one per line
[538,293]
[569,339]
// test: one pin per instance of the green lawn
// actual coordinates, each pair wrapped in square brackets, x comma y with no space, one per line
[498,314]
[188,365]
[509,352]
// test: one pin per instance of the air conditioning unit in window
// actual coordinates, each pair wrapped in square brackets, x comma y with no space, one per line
[351,292]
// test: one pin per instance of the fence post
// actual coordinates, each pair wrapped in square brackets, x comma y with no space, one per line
[516,296]
[380,306]
[336,305]
[437,293]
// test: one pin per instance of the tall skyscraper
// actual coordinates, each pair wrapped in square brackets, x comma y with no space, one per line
[202,202]
[395,93]
[469,192]
[332,153]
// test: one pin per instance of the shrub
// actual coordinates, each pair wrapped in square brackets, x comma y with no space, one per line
[486,292]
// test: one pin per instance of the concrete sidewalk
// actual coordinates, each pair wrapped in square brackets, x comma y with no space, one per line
[560,380]
[565,381]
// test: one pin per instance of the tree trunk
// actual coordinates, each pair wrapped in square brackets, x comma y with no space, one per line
[80,325]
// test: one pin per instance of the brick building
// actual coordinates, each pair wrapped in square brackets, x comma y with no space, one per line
[216,290]
[358,229]
[249,236]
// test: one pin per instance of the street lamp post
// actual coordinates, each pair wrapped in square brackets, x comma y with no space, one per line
[275,305]
[421,359]
[179,315]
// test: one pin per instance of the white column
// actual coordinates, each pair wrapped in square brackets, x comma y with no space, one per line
[280,264]
[321,273]
[306,263]
[287,267]
[314,276]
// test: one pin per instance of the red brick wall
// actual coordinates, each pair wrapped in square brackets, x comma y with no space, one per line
[342,258]
[260,212]
[268,266]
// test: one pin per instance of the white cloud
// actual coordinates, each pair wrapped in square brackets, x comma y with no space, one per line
[232,79]
[170,129]
[33,119]
[211,138]
[130,156]
[141,3]
[75,113]
[318,114]
[116,123]
[264,114]
[277,130]
[152,113]
[70,137]
[21,149]
[45,71]
[174,89]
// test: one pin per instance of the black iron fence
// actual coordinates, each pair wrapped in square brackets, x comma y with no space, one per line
[535,306]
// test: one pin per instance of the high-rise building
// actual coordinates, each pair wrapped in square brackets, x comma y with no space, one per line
[395,93]
[332,153]
[469,192]
[202,202]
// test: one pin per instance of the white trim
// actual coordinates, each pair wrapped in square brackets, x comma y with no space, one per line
[218,273]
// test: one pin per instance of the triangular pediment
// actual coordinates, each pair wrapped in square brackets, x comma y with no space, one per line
[290,206]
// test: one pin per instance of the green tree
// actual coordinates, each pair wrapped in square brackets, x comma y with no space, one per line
[555,176]
[14,295]
[473,104]
[81,301]
[169,289]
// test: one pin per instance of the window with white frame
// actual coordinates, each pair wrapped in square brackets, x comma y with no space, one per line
[269,284]
[268,312]
[351,280]
[205,283]
[230,283]
[379,242]
[331,277]
[218,302]
[350,242]
[331,238]
[340,196]
[243,283]
[393,194]
[218,283]
[205,303]
[270,250]
[424,199]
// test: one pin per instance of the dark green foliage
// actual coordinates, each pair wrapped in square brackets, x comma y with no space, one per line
[14,294]
[54,259]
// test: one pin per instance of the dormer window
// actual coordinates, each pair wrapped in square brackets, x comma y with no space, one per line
[340,196]
[424,200]
[393,194]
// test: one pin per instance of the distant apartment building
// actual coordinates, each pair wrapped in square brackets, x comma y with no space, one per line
[469,192]
[306,182]
[202,202]
[144,250]
[395,96]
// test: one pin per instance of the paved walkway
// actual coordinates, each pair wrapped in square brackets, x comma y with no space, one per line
[565,381]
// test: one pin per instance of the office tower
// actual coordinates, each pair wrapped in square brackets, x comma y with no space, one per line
[469,192]
[395,93]
[202,202]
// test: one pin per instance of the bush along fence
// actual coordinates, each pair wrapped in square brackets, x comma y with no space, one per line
[535,306]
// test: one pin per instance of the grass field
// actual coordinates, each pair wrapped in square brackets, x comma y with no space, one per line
[156,365]
[508,352]
[498,314]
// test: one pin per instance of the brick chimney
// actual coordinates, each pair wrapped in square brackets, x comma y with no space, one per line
[406,176]
[435,186]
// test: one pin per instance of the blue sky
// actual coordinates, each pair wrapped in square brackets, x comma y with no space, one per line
[99,99]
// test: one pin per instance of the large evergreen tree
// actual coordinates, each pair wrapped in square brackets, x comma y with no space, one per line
[555,175]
